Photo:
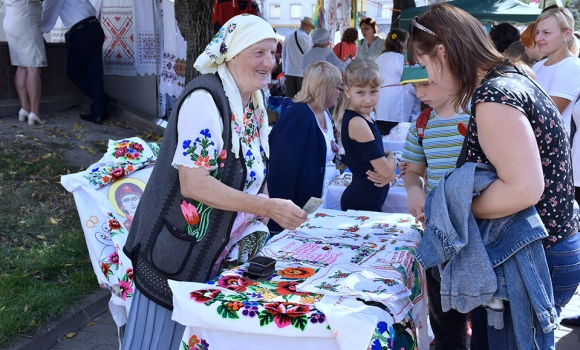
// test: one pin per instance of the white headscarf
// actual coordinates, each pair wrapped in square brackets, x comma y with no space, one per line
[236,35]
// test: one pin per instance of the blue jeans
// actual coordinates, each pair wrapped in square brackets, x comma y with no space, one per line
[564,264]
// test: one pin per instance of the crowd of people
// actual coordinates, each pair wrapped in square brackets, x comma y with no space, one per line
[490,118]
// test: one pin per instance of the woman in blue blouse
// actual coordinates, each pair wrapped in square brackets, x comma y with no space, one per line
[302,142]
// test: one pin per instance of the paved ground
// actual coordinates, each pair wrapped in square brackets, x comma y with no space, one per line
[101,333]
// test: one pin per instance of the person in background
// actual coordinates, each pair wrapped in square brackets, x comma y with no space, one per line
[398,103]
[528,38]
[27,53]
[211,196]
[302,142]
[427,159]
[554,29]
[517,52]
[346,48]
[361,138]
[295,46]
[503,35]
[523,136]
[84,45]
[371,45]
[321,51]
[574,320]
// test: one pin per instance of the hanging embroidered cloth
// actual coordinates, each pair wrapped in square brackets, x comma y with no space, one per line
[117,20]
[147,38]
[172,71]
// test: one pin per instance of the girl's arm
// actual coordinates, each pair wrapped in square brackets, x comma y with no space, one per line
[507,139]
[359,131]
[414,185]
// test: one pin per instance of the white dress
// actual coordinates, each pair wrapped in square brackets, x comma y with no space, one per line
[398,103]
[22,27]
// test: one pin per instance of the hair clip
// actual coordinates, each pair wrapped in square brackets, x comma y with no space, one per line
[422,27]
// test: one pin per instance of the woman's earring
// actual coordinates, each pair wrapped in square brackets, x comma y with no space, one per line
[347,96]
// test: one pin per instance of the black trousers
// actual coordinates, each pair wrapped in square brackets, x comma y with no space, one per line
[85,63]
[293,85]
[448,327]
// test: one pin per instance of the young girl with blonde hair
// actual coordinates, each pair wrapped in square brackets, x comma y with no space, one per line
[361,138]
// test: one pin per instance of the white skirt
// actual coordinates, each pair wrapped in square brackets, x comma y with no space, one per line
[22,27]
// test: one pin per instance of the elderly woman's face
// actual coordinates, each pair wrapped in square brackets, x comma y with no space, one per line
[251,67]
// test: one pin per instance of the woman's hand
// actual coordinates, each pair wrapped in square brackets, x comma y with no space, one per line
[198,184]
[285,213]
[377,179]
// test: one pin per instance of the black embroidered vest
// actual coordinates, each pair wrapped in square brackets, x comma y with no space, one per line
[156,244]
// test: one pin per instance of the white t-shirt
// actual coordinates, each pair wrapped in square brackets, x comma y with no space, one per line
[560,80]
[398,103]
[291,55]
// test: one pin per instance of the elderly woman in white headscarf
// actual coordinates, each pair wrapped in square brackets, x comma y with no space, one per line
[205,206]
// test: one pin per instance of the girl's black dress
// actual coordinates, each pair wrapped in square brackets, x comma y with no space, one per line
[362,194]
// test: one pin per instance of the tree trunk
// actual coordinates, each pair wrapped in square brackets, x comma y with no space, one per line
[193,18]
[398,6]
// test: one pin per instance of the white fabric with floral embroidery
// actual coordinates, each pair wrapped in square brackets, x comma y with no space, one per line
[106,196]
[380,265]
[200,140]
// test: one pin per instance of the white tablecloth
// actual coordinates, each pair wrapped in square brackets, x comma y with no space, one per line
[393,145]
[396,201]
[310,301]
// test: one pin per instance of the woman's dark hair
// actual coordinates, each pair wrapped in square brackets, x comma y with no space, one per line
[371,22]
[517,52]
[350,35]
[468,48]
[503,35]
[395,40]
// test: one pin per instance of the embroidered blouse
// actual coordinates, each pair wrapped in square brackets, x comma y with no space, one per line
[200,137]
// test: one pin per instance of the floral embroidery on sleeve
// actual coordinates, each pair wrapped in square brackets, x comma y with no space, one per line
[201,151]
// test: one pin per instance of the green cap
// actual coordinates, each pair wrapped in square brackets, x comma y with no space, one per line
[412,74]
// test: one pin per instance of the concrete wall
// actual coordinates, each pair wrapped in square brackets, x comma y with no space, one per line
[58,93]
[138,92]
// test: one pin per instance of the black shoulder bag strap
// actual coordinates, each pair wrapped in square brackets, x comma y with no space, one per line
[297,43]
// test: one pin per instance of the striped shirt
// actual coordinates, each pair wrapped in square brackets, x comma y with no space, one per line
[441,146]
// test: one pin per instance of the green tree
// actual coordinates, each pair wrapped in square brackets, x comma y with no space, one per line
[574,7]
[194,21]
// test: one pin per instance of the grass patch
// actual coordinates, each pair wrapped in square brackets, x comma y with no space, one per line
[44,263]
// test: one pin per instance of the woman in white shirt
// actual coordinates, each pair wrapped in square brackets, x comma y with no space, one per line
[557,74]
[398,103]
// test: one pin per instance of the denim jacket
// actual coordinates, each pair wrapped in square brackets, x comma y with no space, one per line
[501,258]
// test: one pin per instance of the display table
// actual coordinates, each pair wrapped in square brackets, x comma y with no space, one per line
[396,201]
[393,145]
[343,280]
